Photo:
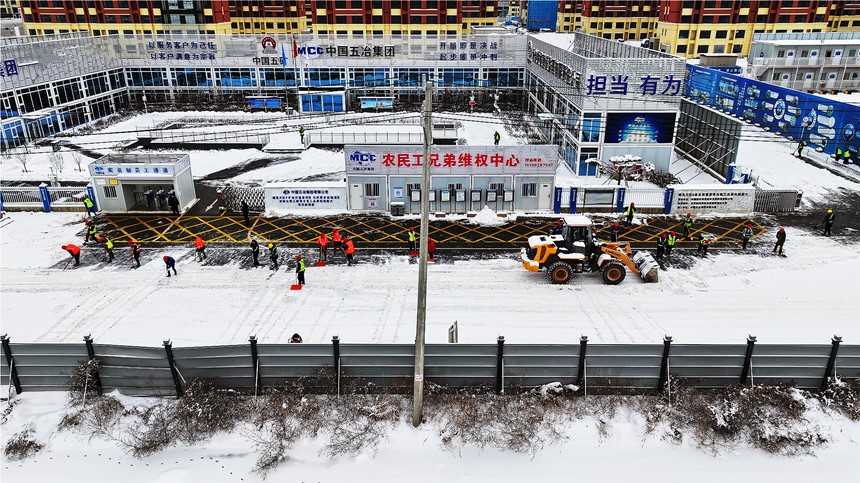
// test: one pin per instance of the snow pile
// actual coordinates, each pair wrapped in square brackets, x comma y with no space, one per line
[487,217]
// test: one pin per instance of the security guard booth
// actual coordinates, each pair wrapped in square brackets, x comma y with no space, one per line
[142,182]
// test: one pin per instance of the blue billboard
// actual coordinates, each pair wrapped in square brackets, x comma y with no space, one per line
[541,14]
[639,127]
[821,122]
[377,102]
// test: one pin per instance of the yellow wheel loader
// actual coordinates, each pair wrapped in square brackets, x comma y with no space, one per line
[571,248]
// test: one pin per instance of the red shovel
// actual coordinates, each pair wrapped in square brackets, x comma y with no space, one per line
[319,264]
[296,285]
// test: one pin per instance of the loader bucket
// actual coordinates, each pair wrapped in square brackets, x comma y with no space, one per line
[647,266]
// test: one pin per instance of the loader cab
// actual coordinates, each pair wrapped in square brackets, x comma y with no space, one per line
[576,234]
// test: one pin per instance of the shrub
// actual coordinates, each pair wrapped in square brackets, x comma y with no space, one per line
[23,445]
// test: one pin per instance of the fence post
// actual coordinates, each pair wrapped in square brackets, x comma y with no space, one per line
[730,173]
[619,205]
[13,371]
[664,366]
[831,363]
[91,353]
[168,348]
[747,359]
[255,359]
[335,349]
[46,198]
[500,360]
[580,371]
[556,205]
[92,193]
[573,193]
[668,196]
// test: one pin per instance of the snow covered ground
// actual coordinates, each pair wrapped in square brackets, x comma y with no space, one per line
[625,453]
[804,298]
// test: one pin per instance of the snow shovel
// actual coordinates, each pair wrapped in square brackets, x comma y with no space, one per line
[319,263]
[296,285]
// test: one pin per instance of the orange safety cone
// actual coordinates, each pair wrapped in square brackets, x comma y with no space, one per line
[296,285]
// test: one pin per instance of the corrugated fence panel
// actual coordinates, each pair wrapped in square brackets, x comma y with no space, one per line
[626,366]
[135,371]
[228,366]
[707,366]
[380,364]
[280,362]
[789,364]
[848,362]
[46,367]
[459,365]
[535,365]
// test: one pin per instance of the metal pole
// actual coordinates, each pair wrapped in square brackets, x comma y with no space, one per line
[745,372]
[418,387]
[831,362]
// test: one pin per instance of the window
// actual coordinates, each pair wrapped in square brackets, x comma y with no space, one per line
[529,190]
[804,53]
[497,187]
[780,54]
[702,49]
[737,49]
[410,187]
[591,128]
[371,189]
[683,34]
[705,34]
[739,34]
[682,49]
[721,34]
[110,191]
[455,186]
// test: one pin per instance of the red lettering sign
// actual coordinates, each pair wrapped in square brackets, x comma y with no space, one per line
[512,161]
[464,160]
[481,160]
[418,158]
[449,160]
[497,159]
[388,159]
[402,160]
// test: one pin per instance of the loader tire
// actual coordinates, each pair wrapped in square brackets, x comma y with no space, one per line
[559,273]
[614,274]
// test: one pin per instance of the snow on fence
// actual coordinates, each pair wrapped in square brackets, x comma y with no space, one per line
[67,196]
[21,197]
[144,371]
[197,137]
[340,138]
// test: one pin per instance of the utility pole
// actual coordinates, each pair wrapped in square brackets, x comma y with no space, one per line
[418,388]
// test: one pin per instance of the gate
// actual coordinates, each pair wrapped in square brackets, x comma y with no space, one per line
[770,201]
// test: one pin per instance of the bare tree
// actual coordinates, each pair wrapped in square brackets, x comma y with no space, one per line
[57,162]
[78,158]
[23,157]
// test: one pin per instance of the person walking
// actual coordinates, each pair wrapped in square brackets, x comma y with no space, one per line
[90,206]
[322,242]
[670,243]
[846,156]
[829,218]
[630,211]
[350,251]
[296,339]
[273,256]
[255,252]
[661,245]
[91,231]
[173,202]
[496,138]
[245,211]
[170,263]
[688,226]
[74,251]
[780,241]
[302,135]
[838,155]
[746,236]
[702,251]
[201,249]
[336,240]
[411,238]
[300,270]
[135,252]
[614,232]
[108,243]
[431,249]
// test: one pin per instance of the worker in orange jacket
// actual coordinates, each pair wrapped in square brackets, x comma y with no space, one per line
[350,250]
[201,249]
[322,241]
[336,242]
[74,251]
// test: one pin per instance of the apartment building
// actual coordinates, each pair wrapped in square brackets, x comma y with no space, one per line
[690,28]
[354,18]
